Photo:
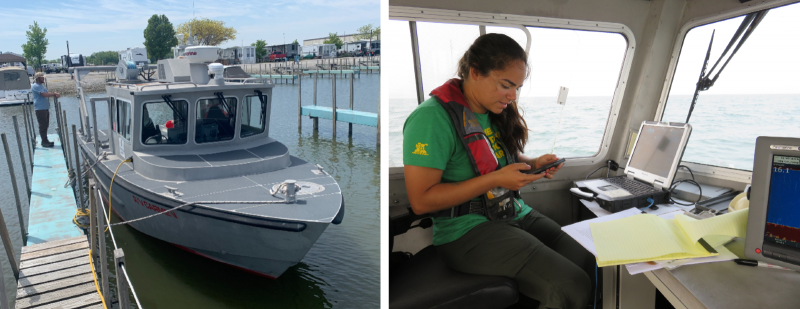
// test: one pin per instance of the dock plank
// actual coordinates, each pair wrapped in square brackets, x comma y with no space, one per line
[53,267]
[52,251]
[53,244]
[54,285]
[54,258]
[343,115]
[57,296]
[52,276]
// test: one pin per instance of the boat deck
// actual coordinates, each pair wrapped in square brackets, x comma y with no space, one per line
[57,274]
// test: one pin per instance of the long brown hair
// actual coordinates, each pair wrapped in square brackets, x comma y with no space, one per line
[494,51]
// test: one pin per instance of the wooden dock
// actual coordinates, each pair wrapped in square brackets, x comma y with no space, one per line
[57,274]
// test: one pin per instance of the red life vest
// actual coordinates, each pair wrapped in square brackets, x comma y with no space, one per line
[498,203]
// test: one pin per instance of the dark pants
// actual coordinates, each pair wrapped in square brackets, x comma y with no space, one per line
[43,117]
[548,264]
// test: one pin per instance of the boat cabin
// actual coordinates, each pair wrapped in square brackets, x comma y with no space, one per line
[598,70]
[15,85]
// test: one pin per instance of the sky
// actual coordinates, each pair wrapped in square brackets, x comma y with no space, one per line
[588,63]
[102,25]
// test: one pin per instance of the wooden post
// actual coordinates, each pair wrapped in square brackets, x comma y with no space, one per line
[122,282]
[101,236]
[93,201]
[299,103]
[58,120]
[14,187]
[8,246]
[3,297]
[65,144]
[333,104]
[22,157]
[28,136]
[350,125]
[315,120]
[26,110]
[78,173]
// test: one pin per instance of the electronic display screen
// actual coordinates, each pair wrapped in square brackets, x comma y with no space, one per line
[783,206]
[656,149]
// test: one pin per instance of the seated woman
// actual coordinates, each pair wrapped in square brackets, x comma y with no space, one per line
[463,164]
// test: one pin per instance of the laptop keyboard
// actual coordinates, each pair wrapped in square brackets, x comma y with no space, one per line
[633,186]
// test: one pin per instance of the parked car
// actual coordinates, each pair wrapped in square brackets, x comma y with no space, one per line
[277,56]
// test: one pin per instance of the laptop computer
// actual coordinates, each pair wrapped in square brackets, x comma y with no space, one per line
[652,166]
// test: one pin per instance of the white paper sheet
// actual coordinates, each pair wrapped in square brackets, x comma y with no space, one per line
[583,234]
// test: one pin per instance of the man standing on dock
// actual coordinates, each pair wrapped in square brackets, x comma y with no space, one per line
[42,106]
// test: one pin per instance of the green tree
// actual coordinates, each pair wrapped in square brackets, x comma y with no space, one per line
[159,38]
[367,32]
[333,38]
[261,50]
[36,46]
[295,42]
[208,32]
[103,58]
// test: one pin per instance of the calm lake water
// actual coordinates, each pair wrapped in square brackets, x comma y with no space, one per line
[342,269]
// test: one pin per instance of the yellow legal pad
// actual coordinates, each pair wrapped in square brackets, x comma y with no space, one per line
[645,237]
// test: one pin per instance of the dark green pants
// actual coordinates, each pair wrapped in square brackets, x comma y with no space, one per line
[548,265]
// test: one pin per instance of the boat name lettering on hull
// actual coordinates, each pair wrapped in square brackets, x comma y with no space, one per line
[153,207]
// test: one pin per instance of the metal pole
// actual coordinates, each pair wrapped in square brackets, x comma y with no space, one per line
[14,187]
[315,119]
[22,157]
[350,125]
[65,144]
[333,104]
[9,247]
[299,103]
[28,136]
[101,236]
[94,124]
[122,284]
[93,201]
[379,111]
[111,144]
[78,174]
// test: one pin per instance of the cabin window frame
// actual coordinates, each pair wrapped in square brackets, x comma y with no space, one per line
[265,129]
[707,170]
[189,122]
[119,126]
[414,14]
[236,117]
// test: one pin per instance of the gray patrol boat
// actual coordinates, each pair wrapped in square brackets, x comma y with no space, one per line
[201,144]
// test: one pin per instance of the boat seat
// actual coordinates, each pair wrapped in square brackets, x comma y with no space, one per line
[425,281]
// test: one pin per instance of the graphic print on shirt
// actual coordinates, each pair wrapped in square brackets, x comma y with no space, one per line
[420,149]
[494,140]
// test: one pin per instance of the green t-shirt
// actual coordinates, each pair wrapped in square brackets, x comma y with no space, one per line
[430,140]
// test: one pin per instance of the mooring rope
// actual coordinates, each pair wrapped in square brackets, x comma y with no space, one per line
[194,203]
[72,178]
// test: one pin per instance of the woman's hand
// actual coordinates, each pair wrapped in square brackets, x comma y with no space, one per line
[512,177]
[547,159]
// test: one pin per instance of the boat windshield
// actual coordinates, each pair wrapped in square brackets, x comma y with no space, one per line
[215,121]
[254,116]
[164,122]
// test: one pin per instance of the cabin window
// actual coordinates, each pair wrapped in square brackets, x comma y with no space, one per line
[165,122]
[215,120]
[755,95]
[254,116]
[11,76]
[123,123]
[587,62]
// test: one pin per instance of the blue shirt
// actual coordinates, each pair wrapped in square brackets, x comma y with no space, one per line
[39,102]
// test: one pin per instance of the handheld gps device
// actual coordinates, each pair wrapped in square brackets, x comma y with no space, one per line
[544,168]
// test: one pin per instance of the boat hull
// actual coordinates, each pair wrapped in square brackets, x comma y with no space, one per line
[261,245]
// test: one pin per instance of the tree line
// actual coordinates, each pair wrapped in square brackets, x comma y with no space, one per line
[160,37]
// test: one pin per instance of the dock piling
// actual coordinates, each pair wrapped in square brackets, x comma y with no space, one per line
[96,138]
[299,103]
[3,297]
[8,246]
[78,176]
[350,125]
[92,219]
[122,283]
[59,123]
[333,104]
[28,137]
[65,144]
[22,157]
[102,251]
[315,120]
[14,187]
[27,110]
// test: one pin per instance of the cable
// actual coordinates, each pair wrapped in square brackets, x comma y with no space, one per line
[688,169]
[675,185]
[595,171]
[652,202]
[109,190]
[80,212]
[95,280]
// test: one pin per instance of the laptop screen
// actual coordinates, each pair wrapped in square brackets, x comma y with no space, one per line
[656,149]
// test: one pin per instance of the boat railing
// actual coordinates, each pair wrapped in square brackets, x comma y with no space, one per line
[140,88]
[251,80]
